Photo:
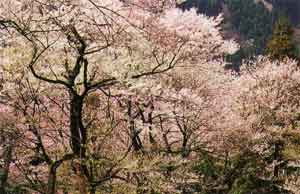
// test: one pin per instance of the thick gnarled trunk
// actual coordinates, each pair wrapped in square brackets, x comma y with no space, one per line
[78,132]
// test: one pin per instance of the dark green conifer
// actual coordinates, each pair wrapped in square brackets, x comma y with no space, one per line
[281,44]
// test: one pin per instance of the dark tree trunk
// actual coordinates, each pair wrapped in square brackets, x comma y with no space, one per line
[135,138]
[7,156]
[52,180]
[92,189]
[78,132]
[184,149]
[278,147]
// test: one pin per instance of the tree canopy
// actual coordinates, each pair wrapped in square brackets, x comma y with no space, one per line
[132,97]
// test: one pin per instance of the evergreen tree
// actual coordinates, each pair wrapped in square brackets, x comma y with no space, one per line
[207,7]
[254,23]
[281,44]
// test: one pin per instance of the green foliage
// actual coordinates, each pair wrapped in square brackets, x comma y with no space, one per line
[208,7]
[206,166]
[281,44]
[252,20]
[243,173]
[254,23]
[236,59]
[289,8]
[16,189]
[168,167]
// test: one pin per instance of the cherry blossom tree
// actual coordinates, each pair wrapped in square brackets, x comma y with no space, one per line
[266,103]
[65,64]
[130,96]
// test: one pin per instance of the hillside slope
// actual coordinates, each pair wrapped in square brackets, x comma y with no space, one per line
[213,7]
